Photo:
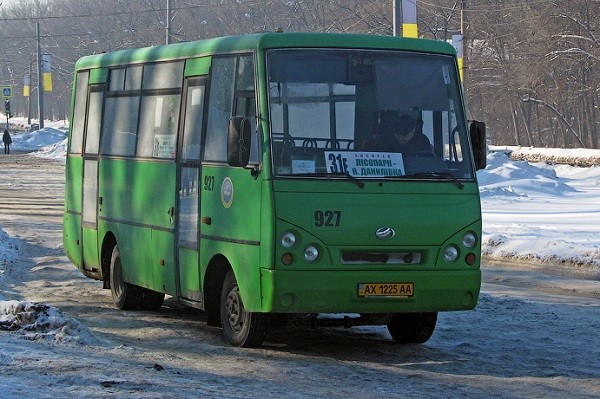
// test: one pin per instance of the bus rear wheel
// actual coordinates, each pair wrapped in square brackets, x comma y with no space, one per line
[125,296]
[412,328]
[241,328]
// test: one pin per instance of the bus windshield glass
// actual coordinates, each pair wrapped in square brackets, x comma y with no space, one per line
[370,114]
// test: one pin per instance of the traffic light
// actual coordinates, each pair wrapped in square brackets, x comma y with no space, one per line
[7,108]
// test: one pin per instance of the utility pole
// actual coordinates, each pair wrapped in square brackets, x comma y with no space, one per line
[463,7]
[30,93]
[397,17]
[40,80]
[409,19]
[168,27]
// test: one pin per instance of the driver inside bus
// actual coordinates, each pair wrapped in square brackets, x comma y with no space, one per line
[398,133]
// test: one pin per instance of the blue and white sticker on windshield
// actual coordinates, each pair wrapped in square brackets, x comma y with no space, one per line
[365,164]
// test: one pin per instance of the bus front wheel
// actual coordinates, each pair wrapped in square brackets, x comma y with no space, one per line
[125,296]
[241,328]
[412,328]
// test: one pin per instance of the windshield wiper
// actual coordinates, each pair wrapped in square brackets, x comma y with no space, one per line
[428,175]
[353,179]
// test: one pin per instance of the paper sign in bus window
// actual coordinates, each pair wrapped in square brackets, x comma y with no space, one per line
[303,166]
[164,146]
[365,164]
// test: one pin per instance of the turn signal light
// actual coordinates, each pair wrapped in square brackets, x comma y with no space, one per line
[287,258]
[470,259]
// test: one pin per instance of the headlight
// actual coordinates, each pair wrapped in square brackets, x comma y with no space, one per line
[311,253]
[469,240]
[288,240]
[450,253]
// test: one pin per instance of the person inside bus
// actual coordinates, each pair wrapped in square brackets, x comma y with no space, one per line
[398,133]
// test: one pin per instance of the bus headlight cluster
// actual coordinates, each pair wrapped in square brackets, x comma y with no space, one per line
[450,253]
[468,241]
[290,241]
[311,253]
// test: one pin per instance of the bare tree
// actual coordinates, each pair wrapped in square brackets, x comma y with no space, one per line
[531,70]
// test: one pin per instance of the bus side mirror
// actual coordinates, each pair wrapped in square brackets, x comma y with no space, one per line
[238,141]
[479,143]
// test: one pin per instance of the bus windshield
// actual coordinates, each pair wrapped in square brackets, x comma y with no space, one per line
[367,114]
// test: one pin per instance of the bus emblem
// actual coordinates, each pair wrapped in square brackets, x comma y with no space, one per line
[383,233]
[227,192]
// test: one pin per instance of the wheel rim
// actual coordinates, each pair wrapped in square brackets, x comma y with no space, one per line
[117,283]
[234,310]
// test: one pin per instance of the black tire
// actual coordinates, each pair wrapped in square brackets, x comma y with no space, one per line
[241,328]
[125,296]
[412,328]
[151,300]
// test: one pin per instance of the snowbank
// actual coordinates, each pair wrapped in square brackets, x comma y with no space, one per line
[37,321]
[9,250]
[569,156]
[541,213]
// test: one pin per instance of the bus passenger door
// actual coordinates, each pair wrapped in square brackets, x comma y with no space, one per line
[188,198]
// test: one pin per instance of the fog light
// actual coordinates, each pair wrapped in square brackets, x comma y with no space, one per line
[288,240]
[311,253]
[287,258]
[469,240]
[450,253]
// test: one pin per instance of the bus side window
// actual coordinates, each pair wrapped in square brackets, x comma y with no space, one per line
[94,120]
[79,112]
[119,129]
[158,126]
[220,100]
[231,94]
[159,111]
[245,100]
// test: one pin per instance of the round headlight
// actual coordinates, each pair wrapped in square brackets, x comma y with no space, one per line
[311,253]
[469,240]
[288,240]
[450,253]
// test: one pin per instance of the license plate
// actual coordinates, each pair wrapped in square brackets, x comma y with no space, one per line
[394,290]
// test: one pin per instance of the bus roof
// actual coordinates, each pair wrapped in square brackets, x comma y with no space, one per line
[260,41]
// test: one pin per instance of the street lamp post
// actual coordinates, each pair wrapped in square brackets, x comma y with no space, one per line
[168,26]
[40,82]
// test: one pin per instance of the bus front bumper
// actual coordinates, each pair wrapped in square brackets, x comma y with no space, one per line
[338,291]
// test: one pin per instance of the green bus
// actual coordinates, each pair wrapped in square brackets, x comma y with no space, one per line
[277,175]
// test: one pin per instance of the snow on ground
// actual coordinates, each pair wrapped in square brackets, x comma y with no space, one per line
[9,248]
[37,321]
[49,142]
[33,320]
[540,212]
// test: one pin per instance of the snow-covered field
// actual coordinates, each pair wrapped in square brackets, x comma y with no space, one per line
[541,213]
[517,343]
